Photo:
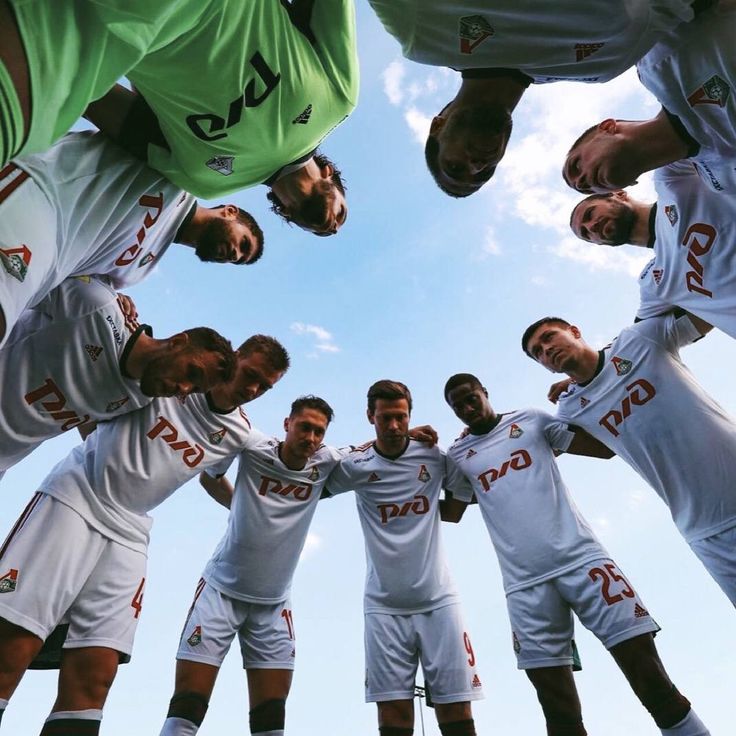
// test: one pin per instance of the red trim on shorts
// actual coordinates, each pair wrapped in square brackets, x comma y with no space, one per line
[22,519]
[197,593]
[14,183]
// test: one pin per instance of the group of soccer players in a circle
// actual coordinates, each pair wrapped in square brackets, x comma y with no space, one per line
[228,95]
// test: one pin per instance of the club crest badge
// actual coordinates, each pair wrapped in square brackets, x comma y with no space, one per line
[714,92]
[584,50]
[621,365]
[146,260]
[221,164]
[470,453]
[115,405]
[9,581]
[657,275]
[515,432]
[314,474]
[424,475]
[473,30]
[94,352]
[584,402]
[196,637]
[303,117]
[216,438]
[671,211]
[16,261]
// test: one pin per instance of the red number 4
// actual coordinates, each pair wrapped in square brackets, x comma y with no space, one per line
[606,576]
[137,602]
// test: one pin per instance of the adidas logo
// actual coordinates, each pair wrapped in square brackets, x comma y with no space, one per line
[94,351]
[584,50]
[115,405]
[303,117]
[373,477]
[584,402]
[470,453]
[476,681]
[640,611]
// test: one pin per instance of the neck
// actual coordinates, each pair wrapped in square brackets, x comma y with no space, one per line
[504,91]
[219,399]
[654,142]
[191,229]
[585,368]
[486,425]
[640,234]
[291,460]
[291,187]
[145,349]
[392,450]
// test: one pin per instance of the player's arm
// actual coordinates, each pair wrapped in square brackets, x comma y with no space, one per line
[86,429]
[451,508]
[587,445]
[425,433]
[220,489]
[125,117]
[701,325]
[557,389]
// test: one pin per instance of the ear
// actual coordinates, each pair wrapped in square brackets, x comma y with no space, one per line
[229,211]
[286,424]
[371,416]
[608,126]
[620,194]
[178,341]
[576,332]
[326,171]
[485,391]
[438,122]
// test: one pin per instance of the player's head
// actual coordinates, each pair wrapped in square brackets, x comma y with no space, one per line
[468,398]
[318,204]
[306,426]
[554,343]
[229,235]
[192,361]
[604,219]
[389,411]
[261,362]
[464,145]
[602,159]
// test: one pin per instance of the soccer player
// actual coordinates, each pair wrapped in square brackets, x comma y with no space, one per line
[500,48]
[551,561]
[412,611]
[95,585]
[693,80]
[637,397]
[76,359]
[275,497]
[86,207]
[693,233]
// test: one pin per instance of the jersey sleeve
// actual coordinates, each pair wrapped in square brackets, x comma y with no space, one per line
[650,303]
[557,432]
[669,331]
[219,469]
[456,481]
[340,480]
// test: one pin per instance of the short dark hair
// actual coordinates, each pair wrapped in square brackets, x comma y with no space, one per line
[312,402]
[534,326]
[245,218]
[581,138]
[459,379]
[589,198]
[274,351]
[388,391]
[277,206]
[204,338]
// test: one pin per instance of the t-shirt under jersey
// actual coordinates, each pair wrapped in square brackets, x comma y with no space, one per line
[398,507]
[272,509]
[131,464]
[647,407]
[115,215]
[692,72]
[248,90]
[694,266]
[63,366]
[591,41]
[534,525]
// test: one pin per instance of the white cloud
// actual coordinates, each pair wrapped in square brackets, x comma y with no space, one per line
[490,244]
[393,76]
[323,339]
[600,257]
[418,123]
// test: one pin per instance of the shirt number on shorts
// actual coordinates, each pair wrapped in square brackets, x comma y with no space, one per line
[469,649]
[137,602]
[286,615]
[607,574]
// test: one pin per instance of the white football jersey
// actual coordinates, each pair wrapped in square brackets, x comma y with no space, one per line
[115,215]
[592,41]
[694,266]
[398,508]
[131,464]
[537,531]
[692,73]
[271,511]
[647,407]
[62,367]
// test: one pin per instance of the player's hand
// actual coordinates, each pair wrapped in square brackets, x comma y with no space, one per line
[557,389]
[128,308]
[425,433]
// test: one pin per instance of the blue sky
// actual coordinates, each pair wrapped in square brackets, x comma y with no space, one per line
[418,286]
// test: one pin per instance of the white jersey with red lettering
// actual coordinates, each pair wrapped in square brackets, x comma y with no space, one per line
[647,407]
[694,266]
[591,41]
[692,72]
[536,530]
[63,365]
[131,464]
[271,511]
[397,503]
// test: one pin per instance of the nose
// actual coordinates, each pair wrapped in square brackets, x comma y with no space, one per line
[184,387]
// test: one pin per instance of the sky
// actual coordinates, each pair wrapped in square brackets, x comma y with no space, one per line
[418,286]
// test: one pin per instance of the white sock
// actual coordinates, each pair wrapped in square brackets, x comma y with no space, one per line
[179,727]
[690,725]
[79,715]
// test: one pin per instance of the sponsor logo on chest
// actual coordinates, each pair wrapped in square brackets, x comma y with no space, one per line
[519,460]
[584,50]
[638,393]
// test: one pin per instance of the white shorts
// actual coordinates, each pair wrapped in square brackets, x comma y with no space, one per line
[541,616]
[28,243]
[395,644]
[265,631]
[54,568]
[718,554]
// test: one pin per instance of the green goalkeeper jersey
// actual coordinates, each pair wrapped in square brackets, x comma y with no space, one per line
[248,90]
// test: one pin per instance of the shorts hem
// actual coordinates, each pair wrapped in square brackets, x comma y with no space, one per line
[458,697]
[105,643]
[25,622]
[395,695]
[186,657]
[269,666]
[651,627]
[534,664]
